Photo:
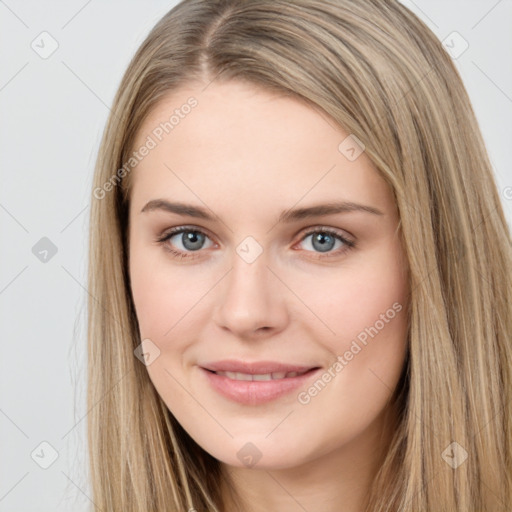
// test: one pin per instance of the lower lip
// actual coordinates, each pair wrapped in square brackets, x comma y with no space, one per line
[254,392]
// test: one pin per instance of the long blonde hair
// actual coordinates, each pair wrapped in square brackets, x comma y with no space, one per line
[382,75]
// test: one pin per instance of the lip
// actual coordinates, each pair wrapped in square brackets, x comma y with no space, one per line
[255,367]
[256,392]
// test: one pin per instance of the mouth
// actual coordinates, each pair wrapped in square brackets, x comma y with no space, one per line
[258,382]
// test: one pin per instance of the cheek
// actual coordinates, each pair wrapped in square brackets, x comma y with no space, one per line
[366,307]
[160,295]
[353,298]
[152,296]
[372,335]
[374,300]
[166,315]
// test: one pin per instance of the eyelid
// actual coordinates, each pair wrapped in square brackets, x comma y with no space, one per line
[347,237]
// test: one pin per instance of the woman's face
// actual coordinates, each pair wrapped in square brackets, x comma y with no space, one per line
[289,261]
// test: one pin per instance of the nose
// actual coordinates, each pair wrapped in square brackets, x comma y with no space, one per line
[252,300]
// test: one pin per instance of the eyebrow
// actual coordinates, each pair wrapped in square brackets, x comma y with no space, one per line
[286,216]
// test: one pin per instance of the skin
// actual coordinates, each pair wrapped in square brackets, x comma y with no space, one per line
[247,154]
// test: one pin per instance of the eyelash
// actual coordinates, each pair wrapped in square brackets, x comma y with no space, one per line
[348,244]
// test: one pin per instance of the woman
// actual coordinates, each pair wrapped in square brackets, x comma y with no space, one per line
[300,270]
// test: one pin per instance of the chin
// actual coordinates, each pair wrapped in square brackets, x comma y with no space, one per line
[253,452]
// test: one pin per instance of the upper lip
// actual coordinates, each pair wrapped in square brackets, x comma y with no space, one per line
[255,367]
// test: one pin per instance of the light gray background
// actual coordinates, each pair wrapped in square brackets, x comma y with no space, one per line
[53,112]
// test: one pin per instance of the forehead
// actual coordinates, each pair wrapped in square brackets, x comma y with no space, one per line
[235,139]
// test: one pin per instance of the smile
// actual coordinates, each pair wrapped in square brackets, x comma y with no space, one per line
[260,377]
[256,383]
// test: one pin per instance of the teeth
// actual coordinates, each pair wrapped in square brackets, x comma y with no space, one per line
[263,376]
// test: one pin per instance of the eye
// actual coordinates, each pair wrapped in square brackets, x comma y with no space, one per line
[324,240]
[191,240]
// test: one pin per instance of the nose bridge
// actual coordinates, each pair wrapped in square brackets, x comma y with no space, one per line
[252,297]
